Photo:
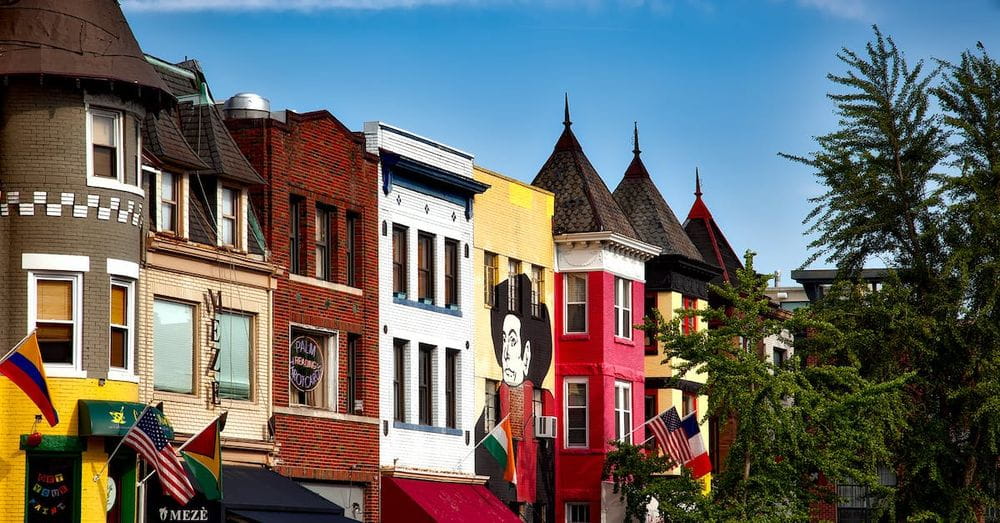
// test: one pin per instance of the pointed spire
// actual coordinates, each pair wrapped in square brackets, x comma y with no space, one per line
[566,121]
[697,183]
[635,140]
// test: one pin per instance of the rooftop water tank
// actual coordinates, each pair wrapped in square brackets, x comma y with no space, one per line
[247,105]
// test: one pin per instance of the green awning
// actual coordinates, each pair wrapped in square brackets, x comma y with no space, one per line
[114,418]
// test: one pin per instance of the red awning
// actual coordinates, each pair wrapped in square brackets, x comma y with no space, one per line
[417,501]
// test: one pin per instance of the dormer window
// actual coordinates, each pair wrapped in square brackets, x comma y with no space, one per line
[229,217]
[169,190]
[105,144]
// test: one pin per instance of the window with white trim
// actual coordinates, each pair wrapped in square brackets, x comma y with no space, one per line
[576,302]
[623,411]
[623,308]
[577,512]
[234,366]
[54,311]
[122,324]
[173,346]
[229,221]
[576,412]
[169,202]
[105,153]
[323,394]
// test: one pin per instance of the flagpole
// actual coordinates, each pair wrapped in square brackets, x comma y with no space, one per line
[113,452]
[480,442]
[641,426]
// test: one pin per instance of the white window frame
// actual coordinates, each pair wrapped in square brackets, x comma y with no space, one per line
[567,303]
[195,333]
[238,202]
[623,308]
[331,367]
[623,397]
[63,370]
[569,512]
[126,373]
[118,183]
[586,409]
[181,193]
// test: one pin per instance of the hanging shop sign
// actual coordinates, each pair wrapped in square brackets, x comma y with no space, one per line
[305,369]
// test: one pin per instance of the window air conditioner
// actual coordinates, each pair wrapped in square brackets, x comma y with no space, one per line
[545,427]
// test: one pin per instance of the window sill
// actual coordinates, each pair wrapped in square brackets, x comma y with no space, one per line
[426,306]
[122,375]
[316,282]
[305,410]
[52,371]
[575,336]
[427,428]
[624,341]
[106,183]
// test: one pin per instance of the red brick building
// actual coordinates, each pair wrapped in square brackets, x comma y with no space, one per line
[319,216]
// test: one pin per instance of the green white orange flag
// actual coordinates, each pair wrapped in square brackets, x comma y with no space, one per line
[500,443]
[203,458]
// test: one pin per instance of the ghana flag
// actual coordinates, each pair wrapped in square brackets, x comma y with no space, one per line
[203,458]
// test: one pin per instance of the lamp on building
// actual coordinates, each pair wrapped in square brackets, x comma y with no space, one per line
[35,438]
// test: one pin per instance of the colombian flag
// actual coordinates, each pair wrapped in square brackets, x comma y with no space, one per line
[203,458]
[23,365]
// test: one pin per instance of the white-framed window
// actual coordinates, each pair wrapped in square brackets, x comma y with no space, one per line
[170,208]
[229,217]
[105,140]
[173,345]
[54,310]
[577,512]
[324,395]
[623,308]
[576,303]
[121,351]
[234,367]
[576,415]
[623,411]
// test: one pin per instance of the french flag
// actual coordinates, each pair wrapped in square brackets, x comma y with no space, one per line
[699,463]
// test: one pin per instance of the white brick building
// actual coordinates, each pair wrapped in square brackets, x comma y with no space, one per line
[425,304]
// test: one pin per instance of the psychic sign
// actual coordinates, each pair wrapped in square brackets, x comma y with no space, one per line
[305,369]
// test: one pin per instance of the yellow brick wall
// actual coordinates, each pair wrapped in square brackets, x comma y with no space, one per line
[17,417]
[513,220]
[191,412]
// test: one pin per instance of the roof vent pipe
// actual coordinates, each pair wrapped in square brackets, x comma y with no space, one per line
[247,105]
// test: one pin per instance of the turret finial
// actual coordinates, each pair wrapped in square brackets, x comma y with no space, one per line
[635,139]
[566,121]
[697,183]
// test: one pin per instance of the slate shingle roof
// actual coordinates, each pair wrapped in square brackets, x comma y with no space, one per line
[205,131]
[708,238]
[162,137]
[583,202]
[649,213]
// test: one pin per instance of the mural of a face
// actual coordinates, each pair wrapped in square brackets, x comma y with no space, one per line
[516,357]
[522,338]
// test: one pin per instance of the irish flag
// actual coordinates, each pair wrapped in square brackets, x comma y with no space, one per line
[203,458]
[500,443]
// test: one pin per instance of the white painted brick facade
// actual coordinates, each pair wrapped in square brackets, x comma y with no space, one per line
[425,448]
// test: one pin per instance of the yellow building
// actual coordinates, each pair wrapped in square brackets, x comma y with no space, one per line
[514,350]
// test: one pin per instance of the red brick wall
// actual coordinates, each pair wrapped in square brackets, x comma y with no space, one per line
[314,156]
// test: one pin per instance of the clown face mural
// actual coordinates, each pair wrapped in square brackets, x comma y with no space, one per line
[516,352]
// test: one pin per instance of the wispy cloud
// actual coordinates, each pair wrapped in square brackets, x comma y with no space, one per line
[850,9]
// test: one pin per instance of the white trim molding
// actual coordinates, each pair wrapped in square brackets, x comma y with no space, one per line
[55,262]
[123,268]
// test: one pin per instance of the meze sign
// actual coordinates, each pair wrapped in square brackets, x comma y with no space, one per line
[305,369]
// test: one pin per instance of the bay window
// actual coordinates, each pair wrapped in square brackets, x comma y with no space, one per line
[576,413]
[623,308]
[623,411]
[121,325]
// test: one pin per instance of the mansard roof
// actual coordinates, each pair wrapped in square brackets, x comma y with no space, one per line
[707,236]
[83,40]
[649,213]
[583,202]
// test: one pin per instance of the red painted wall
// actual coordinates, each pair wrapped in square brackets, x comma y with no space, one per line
[603,358]
[314,156]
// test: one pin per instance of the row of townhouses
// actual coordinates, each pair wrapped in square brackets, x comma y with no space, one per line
[365,306]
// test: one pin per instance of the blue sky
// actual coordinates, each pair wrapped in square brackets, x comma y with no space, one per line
[719,85]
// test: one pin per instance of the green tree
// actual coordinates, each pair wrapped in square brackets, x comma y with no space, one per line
[890,196]
[794,423]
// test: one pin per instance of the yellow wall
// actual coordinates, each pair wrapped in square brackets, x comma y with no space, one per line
[513,220]
[16,418]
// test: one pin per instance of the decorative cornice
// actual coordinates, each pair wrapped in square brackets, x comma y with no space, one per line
[612,241]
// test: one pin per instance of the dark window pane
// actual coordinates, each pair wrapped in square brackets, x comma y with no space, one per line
[104,161]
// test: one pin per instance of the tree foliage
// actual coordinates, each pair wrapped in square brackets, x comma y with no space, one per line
[795,425]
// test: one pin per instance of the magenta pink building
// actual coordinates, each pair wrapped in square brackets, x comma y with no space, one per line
[599,289]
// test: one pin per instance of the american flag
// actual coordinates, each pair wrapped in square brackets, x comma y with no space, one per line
[146,438]
[671,438]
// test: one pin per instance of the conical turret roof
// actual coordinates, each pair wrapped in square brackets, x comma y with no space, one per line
[649,213]
[708,238]
[87,39]
[583,202]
